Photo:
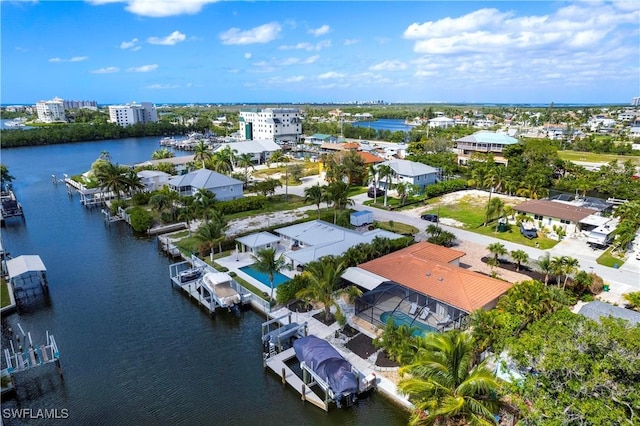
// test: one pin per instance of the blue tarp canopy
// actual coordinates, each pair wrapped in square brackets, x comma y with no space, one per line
[327,363]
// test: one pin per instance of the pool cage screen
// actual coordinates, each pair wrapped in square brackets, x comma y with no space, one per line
[391,299]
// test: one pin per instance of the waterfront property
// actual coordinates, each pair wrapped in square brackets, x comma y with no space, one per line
[257,241]
[153,179]
[484,142]
[309,241]
[320,138]
[424,283]
[224,187]
[275,124]
[259,149]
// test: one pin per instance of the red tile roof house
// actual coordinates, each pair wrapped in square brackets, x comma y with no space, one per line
[548,213]
[422,285]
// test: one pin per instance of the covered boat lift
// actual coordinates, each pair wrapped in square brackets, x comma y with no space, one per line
[27,273]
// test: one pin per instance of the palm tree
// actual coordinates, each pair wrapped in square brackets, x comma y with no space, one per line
[338,192]
[268,263]
[210,233]
[111,178]
[497,249]
[246,160]
[557,267]
[544,263]
[571,266]
[204,201]
[520,256]
[385,172]
[132,182]
[315,194]
[372,177]
[161,154]
[187,213]
[445,385]
[224,160]
[324,277]
[402,189]
[201,152]
[495,206]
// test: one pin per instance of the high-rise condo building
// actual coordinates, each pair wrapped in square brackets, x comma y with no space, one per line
[280,125]
[126,115]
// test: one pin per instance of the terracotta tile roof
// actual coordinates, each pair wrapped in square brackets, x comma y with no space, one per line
[351,145]
[369,158]
[555,209]
[416,267]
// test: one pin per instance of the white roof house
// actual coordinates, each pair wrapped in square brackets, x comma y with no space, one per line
[442,122]
[25,264]
[260,149]
[153,179]
[257,241]
[224,187]
[412,172]
[312,240]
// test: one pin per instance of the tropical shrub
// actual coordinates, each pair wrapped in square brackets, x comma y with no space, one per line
[286,292]
[241,204]
[141,220]
[140,198]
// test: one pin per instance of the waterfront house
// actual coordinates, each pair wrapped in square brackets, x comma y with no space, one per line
[320,138]
[180,164]
[417,174]
[441,122]
[259,149]
[309,241]
[224,187]
[422,285]
[153,179]
[257,241]
[484,142]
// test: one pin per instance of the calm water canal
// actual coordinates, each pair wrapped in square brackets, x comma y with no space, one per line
[134,350]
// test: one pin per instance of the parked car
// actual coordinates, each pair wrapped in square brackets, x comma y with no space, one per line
[430,217]
[375,192]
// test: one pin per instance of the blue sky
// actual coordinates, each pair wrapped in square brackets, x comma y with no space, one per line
[166,51]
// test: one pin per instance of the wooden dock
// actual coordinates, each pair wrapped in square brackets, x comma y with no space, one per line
[277,364]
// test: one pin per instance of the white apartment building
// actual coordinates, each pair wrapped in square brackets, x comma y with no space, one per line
[126,115]
[275,124]
[51,111]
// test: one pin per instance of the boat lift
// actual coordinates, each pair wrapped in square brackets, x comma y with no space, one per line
[26,358]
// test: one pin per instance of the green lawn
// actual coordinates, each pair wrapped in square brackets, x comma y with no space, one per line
[607,259]
[596,158]
[4,294]
[399,228]
[473,216]
[274,204]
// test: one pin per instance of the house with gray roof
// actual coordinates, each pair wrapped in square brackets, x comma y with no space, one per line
[320,138]
[309,241]
[484,142]
[547,213]
[412,172]
[224,187]
[597,309]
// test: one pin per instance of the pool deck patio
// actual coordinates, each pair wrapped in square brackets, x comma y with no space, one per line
[238,260]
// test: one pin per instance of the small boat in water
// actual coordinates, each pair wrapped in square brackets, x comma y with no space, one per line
[190,275]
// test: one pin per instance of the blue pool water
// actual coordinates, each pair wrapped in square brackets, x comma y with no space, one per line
[278,278]
[400,318]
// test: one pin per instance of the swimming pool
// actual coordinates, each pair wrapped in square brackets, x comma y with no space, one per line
[400,318]
[278,278]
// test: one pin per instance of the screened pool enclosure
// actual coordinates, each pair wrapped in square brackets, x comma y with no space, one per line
[406,306]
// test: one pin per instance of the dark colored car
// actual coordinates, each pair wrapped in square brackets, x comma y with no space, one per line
[430,217]
[375,192]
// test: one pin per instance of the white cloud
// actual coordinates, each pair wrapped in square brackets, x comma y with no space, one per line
[107,70]
[262,34]
[143,68]
[331,75]
[311,59]
[317,32]
[450,26]
[307,46]
[132,45]
[389,66]
[159,8]
[350,41]
[247,55]
[73,59]
[170,40]
[164,86]
[294,79]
